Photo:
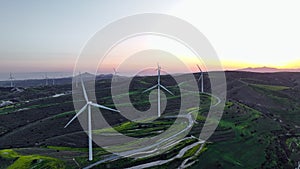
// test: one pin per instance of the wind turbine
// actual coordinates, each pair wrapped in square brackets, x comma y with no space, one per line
[11,78]
[46,79]
[115,73]
[201,78]
[76,79]
[158,85]
[88,106]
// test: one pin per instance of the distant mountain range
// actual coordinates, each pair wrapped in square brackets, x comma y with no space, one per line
[51,82]
[267,70]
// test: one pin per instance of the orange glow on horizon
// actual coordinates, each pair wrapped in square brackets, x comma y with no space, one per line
[226,64]
[232,65]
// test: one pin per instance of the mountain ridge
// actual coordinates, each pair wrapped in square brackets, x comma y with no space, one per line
[265,69]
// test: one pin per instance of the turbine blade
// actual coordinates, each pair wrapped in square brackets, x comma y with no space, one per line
[200,77]
[166,89]
[84,91]
[199,68]
[104,107]
[77,114]
[150,88]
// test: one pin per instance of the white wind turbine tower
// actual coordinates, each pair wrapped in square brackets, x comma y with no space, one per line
[11,78]
[158,85]
[88,106]
[201,78]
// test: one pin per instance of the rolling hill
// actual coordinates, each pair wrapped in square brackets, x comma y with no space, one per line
[259,128]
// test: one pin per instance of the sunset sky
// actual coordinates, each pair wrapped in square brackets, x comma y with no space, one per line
[47,36]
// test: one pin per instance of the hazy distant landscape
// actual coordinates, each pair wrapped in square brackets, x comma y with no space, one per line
[34,75]
[267,70]
[259,128]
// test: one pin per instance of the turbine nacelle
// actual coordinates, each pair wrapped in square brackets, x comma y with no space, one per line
[158,85]
[115,71]
[158,67]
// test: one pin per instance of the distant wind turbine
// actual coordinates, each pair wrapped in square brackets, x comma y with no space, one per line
[46,79]
[88,106]
[76,79]
[201,78]
[11,78]
[158,85]
[115,73]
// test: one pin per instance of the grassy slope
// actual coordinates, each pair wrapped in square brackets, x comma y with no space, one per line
[270,87]
[290,106]
[247,149]
[30,161]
